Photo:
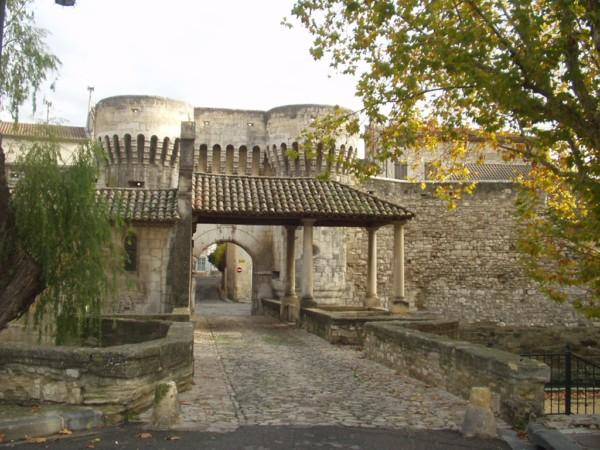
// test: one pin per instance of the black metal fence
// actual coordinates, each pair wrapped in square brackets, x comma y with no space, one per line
[574,386]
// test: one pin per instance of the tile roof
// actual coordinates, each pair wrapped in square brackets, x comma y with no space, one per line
[274,200]
[141,205]
[493,172]
[37,130]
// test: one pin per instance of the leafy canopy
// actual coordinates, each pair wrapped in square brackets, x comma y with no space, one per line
[218,257]
[524,75]
[26,62]
[62,224]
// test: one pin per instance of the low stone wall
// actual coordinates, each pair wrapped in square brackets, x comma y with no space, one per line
[517,384]
[338,327]
[345,325]
[585,341]
[270,307]
[118,380]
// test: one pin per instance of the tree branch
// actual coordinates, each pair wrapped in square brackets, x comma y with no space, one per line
[572,57]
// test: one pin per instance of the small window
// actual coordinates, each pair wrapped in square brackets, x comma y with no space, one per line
[275,275]
[400,171]
[136,184]
[131,253]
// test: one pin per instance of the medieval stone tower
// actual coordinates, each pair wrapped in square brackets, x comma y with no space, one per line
[141,137]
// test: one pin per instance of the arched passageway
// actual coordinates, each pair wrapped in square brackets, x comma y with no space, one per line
[222,272]
[246,276]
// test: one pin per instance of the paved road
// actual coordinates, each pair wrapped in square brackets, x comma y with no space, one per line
[253,370]
[262,438]
[207,288]
[261,384]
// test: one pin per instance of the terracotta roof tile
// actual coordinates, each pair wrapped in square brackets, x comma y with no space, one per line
[294,198]
[36,130]
[141,205]
[493,172]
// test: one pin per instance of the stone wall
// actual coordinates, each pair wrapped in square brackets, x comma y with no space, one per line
[117,380]
[517,384]
[286,123]
[416,161]
[230,127]
[462,263]
[13,148]
[329,253]
[135,114]
[584,341]
[145,290]
[238,285]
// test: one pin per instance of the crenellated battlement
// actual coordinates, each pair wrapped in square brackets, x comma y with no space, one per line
[293,161]
[279,160]
[126,150]
[154,162]
[140,161]
[231,160]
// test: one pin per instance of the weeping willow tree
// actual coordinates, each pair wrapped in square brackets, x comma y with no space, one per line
[62,225]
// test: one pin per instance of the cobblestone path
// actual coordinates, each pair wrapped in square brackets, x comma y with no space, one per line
[253,370]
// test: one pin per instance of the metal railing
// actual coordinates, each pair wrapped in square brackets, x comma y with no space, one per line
[574,386]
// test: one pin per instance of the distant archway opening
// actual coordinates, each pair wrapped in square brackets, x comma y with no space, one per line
[222,272]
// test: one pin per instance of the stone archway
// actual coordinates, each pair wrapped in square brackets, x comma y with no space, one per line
[255,240]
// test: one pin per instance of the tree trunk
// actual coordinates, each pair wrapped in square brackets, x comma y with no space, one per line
[20,277]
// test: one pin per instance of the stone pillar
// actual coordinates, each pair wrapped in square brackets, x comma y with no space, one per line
[179,275]
[290,306]
[398,303]
[371,300]
[307,264]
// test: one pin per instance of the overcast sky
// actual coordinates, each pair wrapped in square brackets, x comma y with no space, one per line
[216,53]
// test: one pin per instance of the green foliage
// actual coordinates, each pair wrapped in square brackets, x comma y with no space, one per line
[218,258]
[25,62]
[63,226]
[522,76]
[560,237]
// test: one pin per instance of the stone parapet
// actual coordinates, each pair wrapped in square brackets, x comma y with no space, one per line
[517,384]
[345,324]
[118,380]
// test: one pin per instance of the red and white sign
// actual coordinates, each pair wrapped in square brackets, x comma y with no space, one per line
[239,269]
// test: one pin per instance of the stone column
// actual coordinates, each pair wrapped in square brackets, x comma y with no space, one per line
[398,303]
[371,300]
[179,275]
[307,263]
[290,306]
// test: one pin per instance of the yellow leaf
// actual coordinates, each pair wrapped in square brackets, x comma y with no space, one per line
[145,435]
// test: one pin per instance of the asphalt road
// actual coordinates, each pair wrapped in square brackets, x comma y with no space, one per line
[267,438]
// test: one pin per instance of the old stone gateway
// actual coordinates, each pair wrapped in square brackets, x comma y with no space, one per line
[230,179]
[338,257]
